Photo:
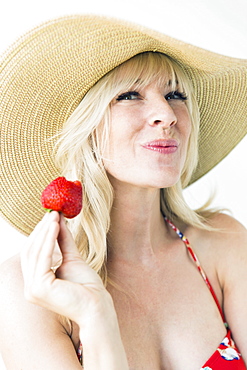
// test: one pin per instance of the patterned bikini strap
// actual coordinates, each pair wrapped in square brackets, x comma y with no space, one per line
[199,267]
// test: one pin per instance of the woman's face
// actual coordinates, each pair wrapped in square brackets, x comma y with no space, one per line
[149,132]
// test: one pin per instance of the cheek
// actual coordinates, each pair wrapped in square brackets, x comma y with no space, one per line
[115,147]
[123,128]
[187,131]
[185,125]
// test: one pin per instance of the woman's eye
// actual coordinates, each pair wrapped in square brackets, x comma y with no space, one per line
[129,95]
[176,95]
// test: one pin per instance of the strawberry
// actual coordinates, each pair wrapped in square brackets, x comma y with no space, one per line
[63,196]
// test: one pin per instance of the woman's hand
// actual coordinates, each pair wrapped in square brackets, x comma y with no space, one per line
[74,290]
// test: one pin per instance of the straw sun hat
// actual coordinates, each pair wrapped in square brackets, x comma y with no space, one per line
[46,73]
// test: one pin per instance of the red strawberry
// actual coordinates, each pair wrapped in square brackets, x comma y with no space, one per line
[63,196]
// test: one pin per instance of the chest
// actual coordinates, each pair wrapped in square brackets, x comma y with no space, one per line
[168,318]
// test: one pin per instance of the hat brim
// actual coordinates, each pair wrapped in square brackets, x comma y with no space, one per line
[46,73]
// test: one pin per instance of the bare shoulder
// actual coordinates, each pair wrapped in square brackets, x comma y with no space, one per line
[15,310]
[224,222]
[225,247]
[24,324]
[232,245]
[7,265]
[222,250]
[229,235]
[11,281]
[226,235]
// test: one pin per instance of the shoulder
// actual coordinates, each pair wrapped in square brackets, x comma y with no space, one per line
[226,223]
[225,233]
[232,246]
[221,250]
[225,246]
[228,234]
[12,293]
[11,281]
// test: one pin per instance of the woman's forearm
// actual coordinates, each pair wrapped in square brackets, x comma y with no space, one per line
[102,347]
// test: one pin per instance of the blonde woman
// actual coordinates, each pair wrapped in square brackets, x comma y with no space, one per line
[121,286]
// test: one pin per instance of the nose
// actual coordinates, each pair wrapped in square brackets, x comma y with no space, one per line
[161,114]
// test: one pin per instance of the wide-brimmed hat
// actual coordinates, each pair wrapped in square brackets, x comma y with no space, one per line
[46,73]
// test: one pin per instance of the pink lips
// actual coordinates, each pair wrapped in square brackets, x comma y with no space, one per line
[162,146]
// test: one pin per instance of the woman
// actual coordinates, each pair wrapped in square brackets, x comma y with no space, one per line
[128,293]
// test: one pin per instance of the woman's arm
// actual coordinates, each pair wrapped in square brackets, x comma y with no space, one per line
[75,291]
[31,336]
[232,272]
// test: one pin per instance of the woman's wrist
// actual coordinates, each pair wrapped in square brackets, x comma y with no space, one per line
[102,344]
[105,353]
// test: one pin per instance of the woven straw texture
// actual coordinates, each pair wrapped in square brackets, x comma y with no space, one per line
[46,73]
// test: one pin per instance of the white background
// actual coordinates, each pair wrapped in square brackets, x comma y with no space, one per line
[217,25]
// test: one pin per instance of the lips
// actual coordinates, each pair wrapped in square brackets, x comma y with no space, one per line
[162,146]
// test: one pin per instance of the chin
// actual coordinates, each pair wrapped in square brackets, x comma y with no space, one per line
[159,184]
[166,180]
[167,184]
[147,179]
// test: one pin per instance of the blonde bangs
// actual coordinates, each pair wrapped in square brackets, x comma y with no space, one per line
[144,69]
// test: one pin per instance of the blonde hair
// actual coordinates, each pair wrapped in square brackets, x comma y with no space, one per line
[84,136]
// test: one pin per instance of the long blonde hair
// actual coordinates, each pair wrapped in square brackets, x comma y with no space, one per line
[83,138]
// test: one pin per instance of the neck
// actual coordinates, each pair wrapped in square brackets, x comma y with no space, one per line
[137,228]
